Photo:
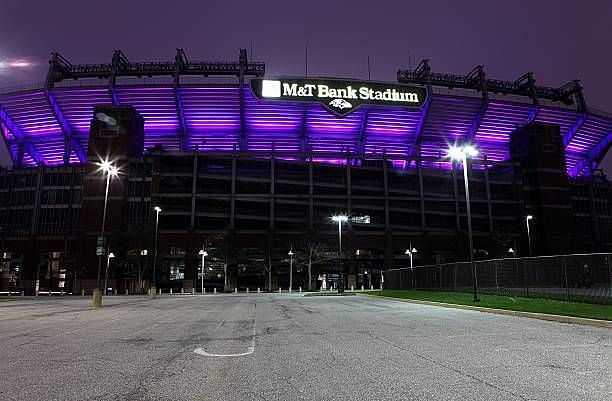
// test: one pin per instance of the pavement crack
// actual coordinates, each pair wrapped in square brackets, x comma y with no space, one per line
[448,367]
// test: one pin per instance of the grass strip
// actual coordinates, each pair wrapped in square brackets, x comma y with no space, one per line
[536,305]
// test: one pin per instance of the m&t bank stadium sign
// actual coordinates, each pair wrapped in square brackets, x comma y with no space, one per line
[339,96]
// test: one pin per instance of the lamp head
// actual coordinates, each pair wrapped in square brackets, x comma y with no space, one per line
[340,218]
[157,209]
[457,153]
[529,217]
[111,255]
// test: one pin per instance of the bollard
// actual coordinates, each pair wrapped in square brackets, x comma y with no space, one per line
[22,293]
[160,291]
[170,290]
[215,290]
[114,292]
[204,290]
[127,292]
[280,290]
[247,290]
[300,290]
[36,293]
[362,288]
[371,287]
[289,290]
[258,290]
[152,292]
[352,288]
[182,290]
[96,298]
[193,291]
[49,291]
[235,290]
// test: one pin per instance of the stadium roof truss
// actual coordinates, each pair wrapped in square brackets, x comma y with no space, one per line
[207,106]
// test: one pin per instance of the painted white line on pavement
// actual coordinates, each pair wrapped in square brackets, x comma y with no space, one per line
[250,350]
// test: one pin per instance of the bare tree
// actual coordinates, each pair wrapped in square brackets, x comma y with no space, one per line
[268,264]
[310,253]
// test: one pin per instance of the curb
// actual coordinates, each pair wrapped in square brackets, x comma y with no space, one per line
[533,315]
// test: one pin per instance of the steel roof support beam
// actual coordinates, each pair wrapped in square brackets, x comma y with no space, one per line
[119,65]
[7,144]
[242,70]
[423,71]
[23,142]
[571,133]
[527,82]
[304,145]
[418,133]
[180,60]
[478,76]
[361,145]
[594,157]
[70,143]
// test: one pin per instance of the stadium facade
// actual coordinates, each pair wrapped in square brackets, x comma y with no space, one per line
[249,167]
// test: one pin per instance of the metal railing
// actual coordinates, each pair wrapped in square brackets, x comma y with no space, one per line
[575,278]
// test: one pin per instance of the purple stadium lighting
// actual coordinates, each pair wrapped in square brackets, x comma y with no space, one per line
[212,119]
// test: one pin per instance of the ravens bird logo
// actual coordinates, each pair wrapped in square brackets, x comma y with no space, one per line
[340,104]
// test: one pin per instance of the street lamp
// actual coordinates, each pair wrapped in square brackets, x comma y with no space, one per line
[111,171]
[204,255]
[527,219]
[461,154]
[290,268]
[340,218]
[108,258]
[410,252]
[157,212]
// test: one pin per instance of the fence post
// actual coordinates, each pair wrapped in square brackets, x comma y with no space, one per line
[496,283]
[564,264]
[525,280]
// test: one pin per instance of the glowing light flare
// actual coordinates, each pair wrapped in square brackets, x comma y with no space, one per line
[5,64]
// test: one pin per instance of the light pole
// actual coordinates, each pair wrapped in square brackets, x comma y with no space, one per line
[461,154]
[110,171]
[340,218]
[410,252]
[290,268]
[157,212]
[204,255]
[527,219]
[108,258]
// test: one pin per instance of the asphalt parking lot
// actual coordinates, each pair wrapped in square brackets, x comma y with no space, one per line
[288,347]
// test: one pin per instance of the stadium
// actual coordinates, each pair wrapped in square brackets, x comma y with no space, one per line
[248,167]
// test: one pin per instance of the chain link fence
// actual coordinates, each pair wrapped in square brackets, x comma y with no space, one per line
[576,278]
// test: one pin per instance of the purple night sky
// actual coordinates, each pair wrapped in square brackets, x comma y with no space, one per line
[557,40]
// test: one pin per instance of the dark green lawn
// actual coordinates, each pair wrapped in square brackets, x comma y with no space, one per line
[539,305]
